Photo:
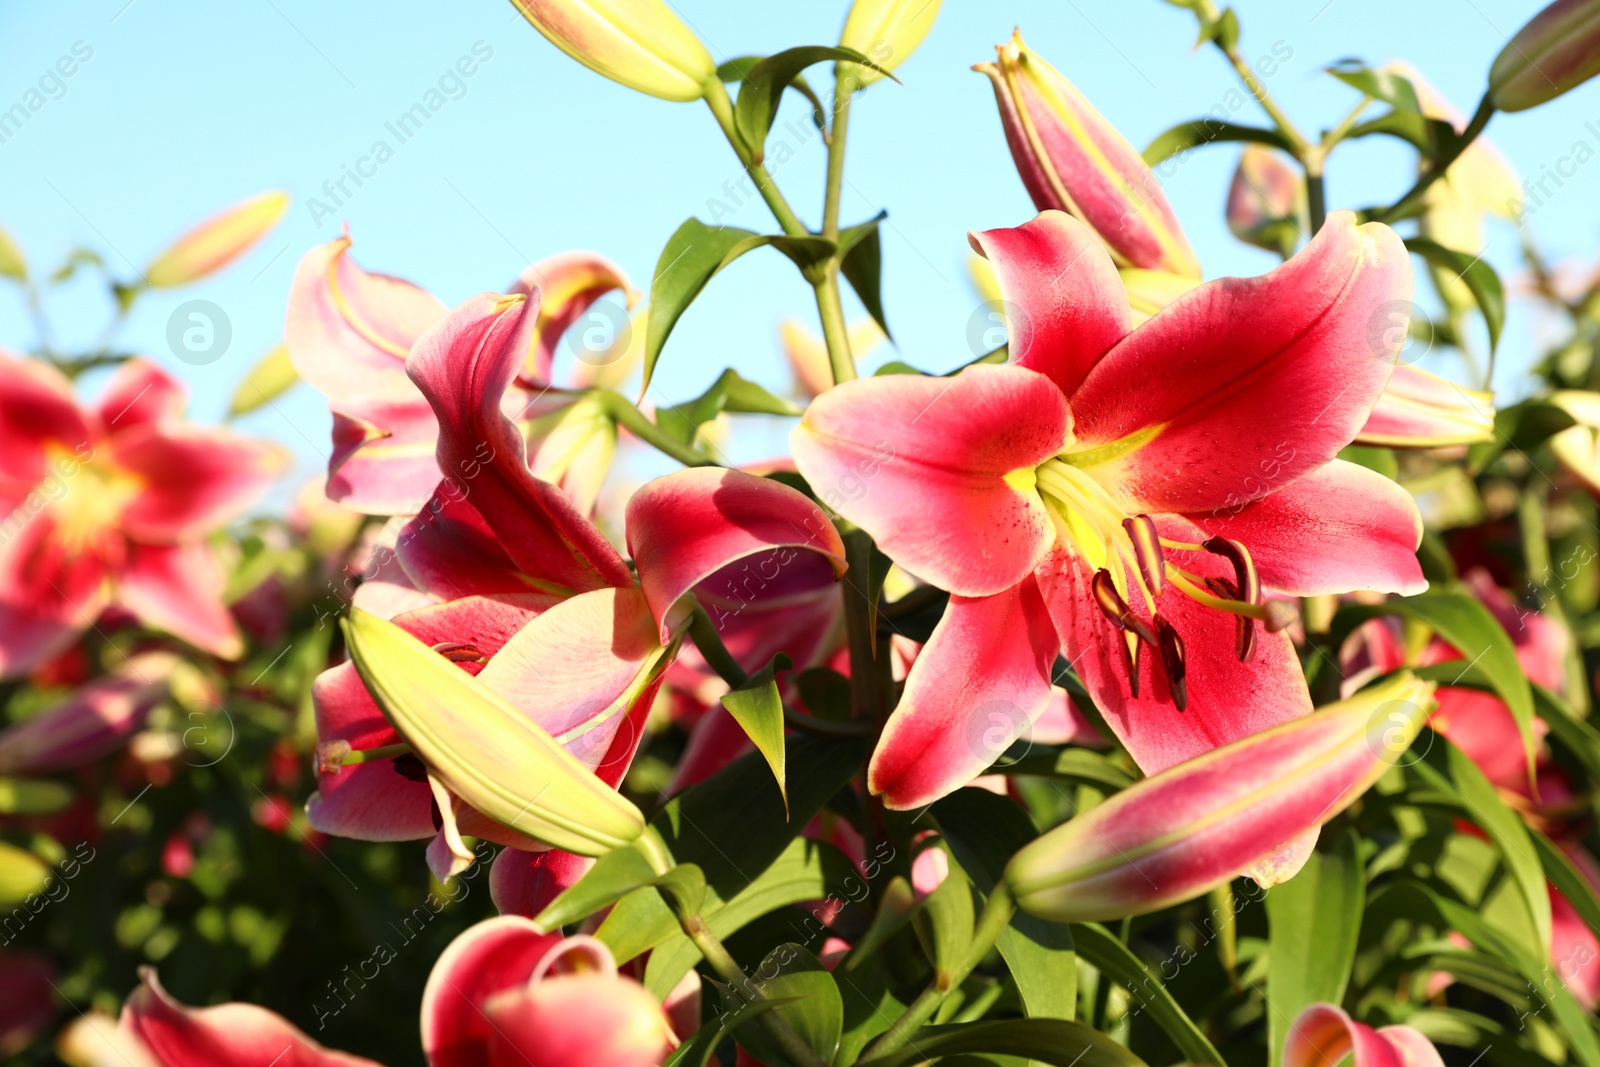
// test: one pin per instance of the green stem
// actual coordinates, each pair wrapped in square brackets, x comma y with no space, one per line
[843,92]
[859,624]
[1346,124]
[705,637]
[830,309]
[711,947]
[1316,190]
[997,912]
[1297,140]
[627,415]
[722,108]
[1403,207]
[372,755]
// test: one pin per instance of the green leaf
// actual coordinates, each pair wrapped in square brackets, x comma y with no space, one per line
[870,1008]
[1199,132]
[1073,765]
[613,876]
[1568,880]
[1461,621]
[1574,733]
[730,392]
[1378,460]
[813,1005]
[12,262]
[1480,278]
[984,831]
[735,69]
[1097,945]
[765,81]
[825,693]
[1523,427]
[698,1050]
[1387,86]
[758,709]
[945,919]
[693,254]
[1446,768]
[21,873]
[1053,1041]
[1314,920]
[267,381]
[862,267]
[1428,135]
[1572,1021]
[21,796]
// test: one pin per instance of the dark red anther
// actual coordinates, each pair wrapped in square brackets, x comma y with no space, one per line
[1244,568]
[459,652]
[1147,550]
[1244,627]
[1171,646]
[1116,609]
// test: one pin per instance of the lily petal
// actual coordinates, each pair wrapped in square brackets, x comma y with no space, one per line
[93,722]
[383,455]
[879,450]
[36,409]
[1339,528]
[191,479]
[1244,384]
[1324,1033]
[980,682]
[524,883]
[49,593]
[688,525]
[1177,834]
[464,366]
[1065,306]
[227,1035]
[1227,699]
[137,393]
[568,285]
[178,588]
[485,959]
[1422,410]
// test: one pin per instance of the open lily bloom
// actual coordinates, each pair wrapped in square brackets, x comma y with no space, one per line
[535,601]
[110,505]
[1325,1034]
[505,993]
[349,332]
[1125,497]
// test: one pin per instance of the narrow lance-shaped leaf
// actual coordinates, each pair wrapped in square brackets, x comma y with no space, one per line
[692,255]
[269,379]
[1117,963]
[1480,278]
[1174,836]
[1200,132]
[1313,920]
[765,82]
[809,1002]
[758,709]
[482,749]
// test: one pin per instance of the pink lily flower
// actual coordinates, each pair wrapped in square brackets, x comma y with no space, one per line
[94,721]
[504,993]
[1125,497]
[109,506]
[1324,1034]
[348,333]
[536,602]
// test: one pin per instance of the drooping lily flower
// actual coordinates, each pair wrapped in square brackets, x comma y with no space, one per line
[111,505]
[1267,202]
[93,722]
[1177,834]
[348,333]
[170,1034]
[503,992]
[1325,1034]
[1124,498]
[536,602]
[1073,160]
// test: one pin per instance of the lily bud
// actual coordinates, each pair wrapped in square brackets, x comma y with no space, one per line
[1557,50]
[637,43]
[483,750]
[1073,160]
[886,32]
[91,723]
[1267,202]
[1422,410]
[217,241]
[1192,827]
[1577,448]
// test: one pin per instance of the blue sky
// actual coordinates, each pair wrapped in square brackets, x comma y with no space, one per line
[186,106]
